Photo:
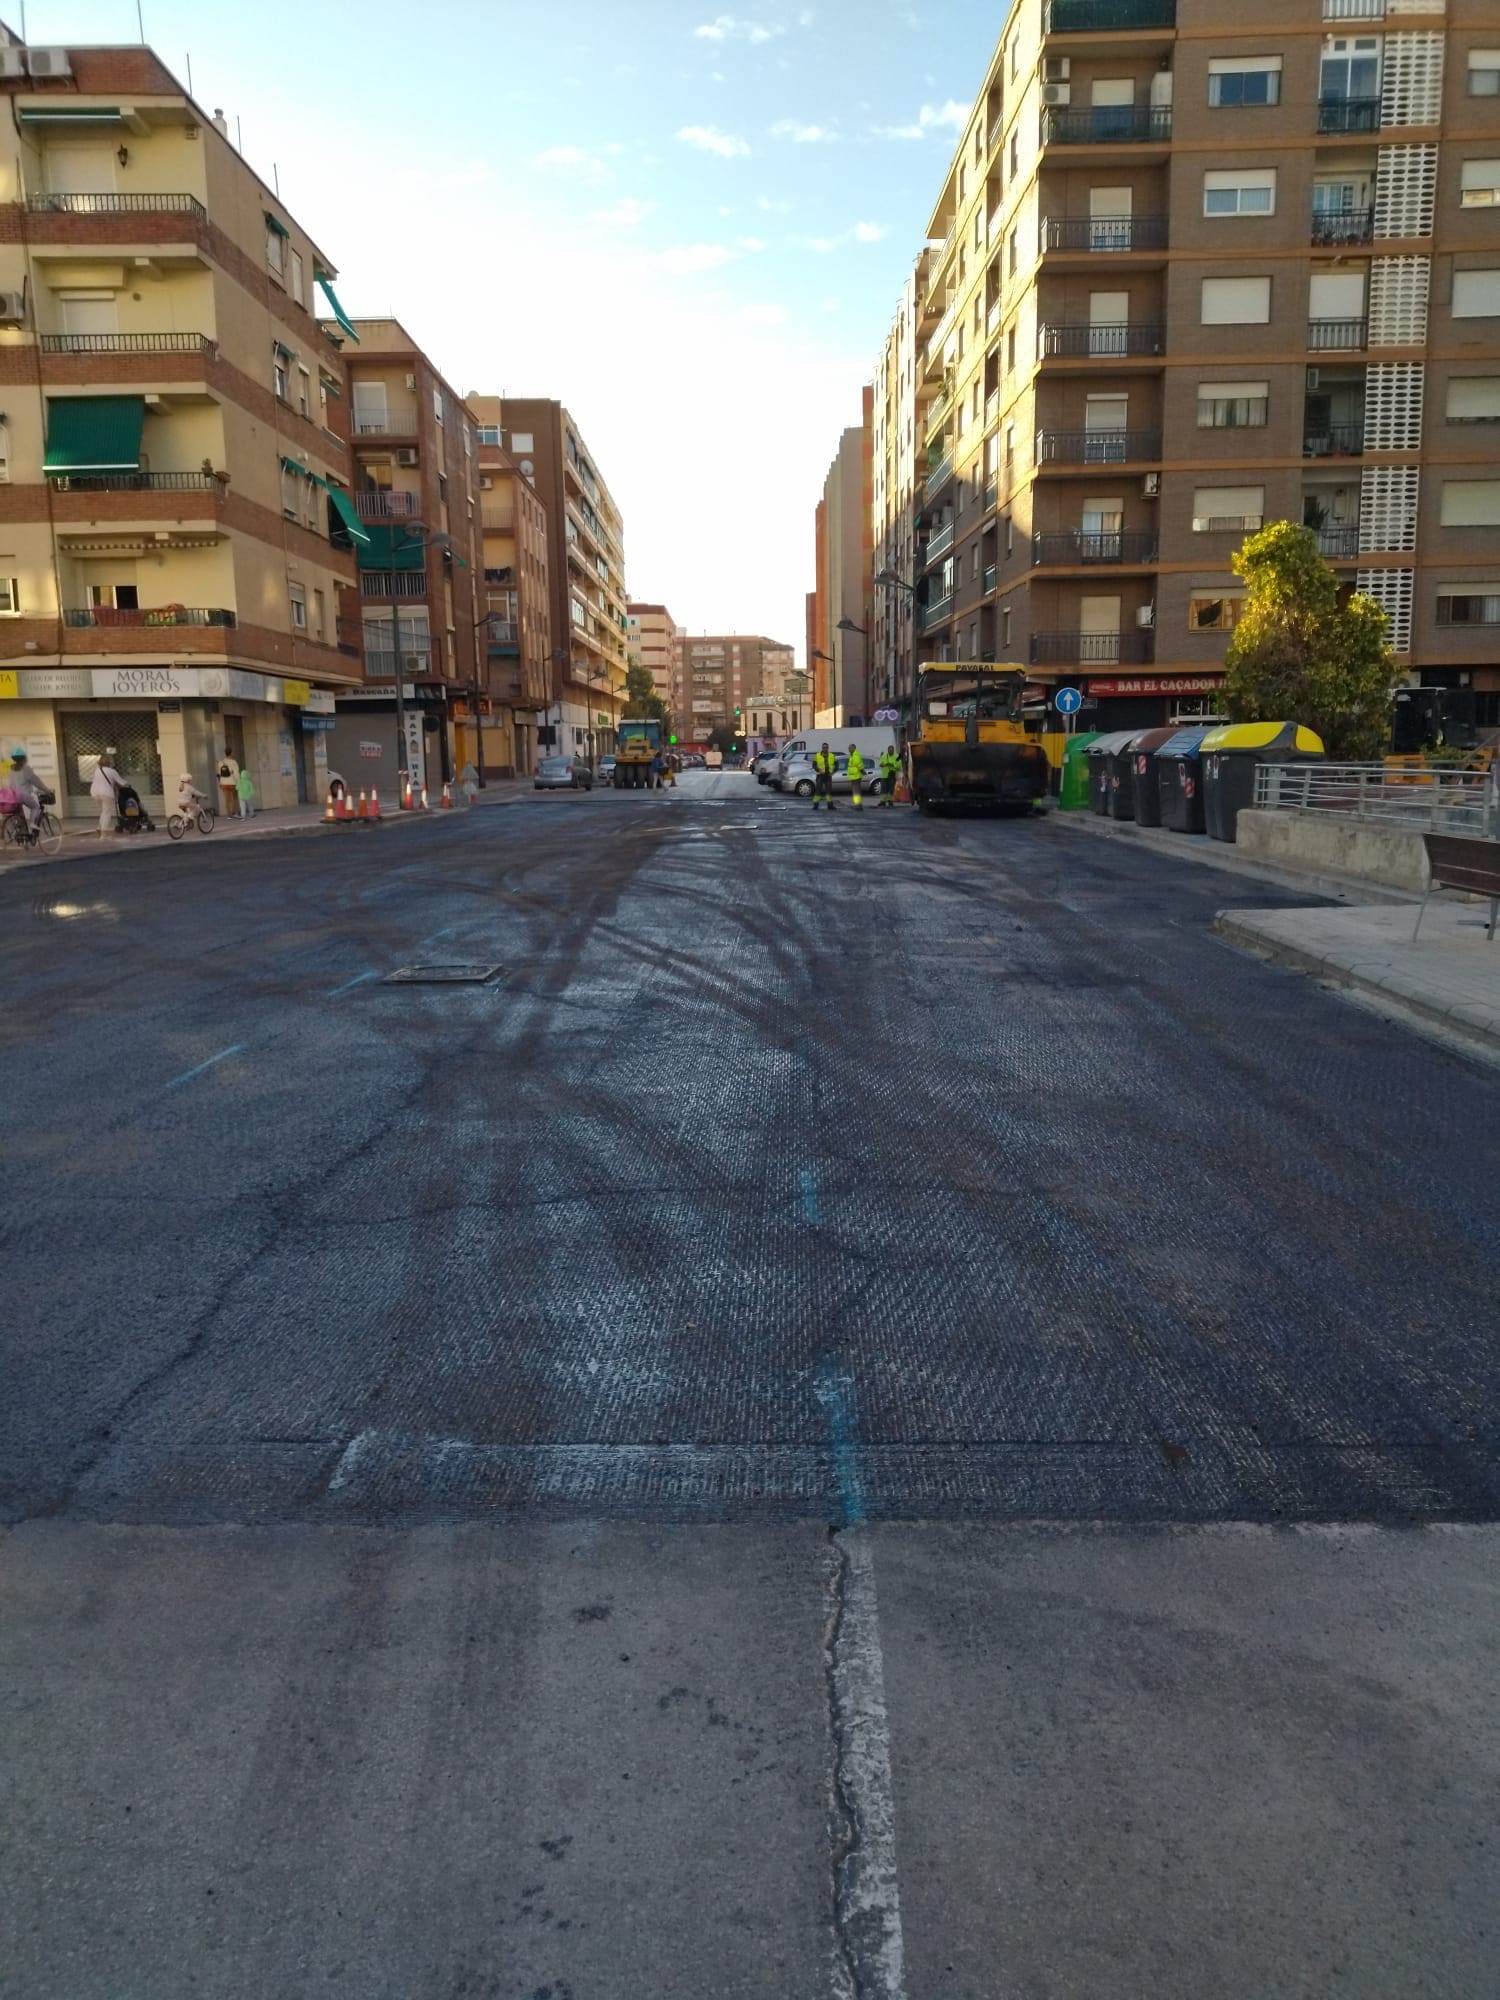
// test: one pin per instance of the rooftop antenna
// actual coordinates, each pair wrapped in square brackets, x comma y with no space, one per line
[140,22]
[190,72]
[239,137]
[276,180]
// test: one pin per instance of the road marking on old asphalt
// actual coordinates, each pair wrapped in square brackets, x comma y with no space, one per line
[236,1049]
[353,1451]
[358,980]
[809,1184]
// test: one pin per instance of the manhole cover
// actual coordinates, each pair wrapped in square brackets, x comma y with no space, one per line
[441,975]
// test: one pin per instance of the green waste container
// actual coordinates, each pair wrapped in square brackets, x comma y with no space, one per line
[1073,794]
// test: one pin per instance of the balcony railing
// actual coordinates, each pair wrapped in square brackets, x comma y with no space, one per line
[1115,340]
[1326,334]
[384,506]
[1084,17]
[151,617]
[1108,125]
[1348,114]
[504,632]
[117,204]
[1353,10]
[989,579]
[991,492]
[1335,441]
[940,543]
[939,474]
[1104,232]
[1342,225]
[380,583]
[135,482]
[1339,543]
[126,343]
[1091,649]
[937,612]
[386,423]
[1096,447]
[1077,545]
[1228,524]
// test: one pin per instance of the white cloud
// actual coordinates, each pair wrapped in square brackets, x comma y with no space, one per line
[821,246]
[806,18]
[803,135]
[686,259]
[949,116]
[627,213]
[709,139]
[751,245]
[768,205]
[560,156]
[726,28]
[765,314]
[868,232]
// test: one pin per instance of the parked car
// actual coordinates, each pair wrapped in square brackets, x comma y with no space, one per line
[871,740]
[563,774]
[606,771]
[798,776]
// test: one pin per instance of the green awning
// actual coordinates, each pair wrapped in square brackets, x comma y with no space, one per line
[71,114]
[343,506]
[296,465]
[94,434]
[392,548]
[277,228]
[325,285]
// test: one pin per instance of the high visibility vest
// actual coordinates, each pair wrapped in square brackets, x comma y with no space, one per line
[824,761]
[856,765]
[890,763]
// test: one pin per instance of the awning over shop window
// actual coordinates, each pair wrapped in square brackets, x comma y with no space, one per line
[325,285]
[343,506]
[94,434]
[276,227]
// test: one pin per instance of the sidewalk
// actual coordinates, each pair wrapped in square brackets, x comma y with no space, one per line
[1450,976]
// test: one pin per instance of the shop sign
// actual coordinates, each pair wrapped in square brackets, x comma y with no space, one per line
[371,750]
[9,684]
[1159,684]
[314,725]
[129,683]
[320,701]
[296,694]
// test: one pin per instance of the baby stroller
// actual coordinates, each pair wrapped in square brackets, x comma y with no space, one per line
[130,814]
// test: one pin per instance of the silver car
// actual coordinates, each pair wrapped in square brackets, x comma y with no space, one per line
[563,774]
[798,776]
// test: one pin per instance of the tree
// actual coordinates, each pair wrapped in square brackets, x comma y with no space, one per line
[721,738]
[641,698]
[1301,653]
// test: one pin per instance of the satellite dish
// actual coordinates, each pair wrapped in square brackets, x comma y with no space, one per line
[527,467]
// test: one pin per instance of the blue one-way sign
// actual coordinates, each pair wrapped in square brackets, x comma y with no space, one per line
[1067,701]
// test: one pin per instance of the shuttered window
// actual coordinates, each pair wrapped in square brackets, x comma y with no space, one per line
[1474,399]
[1471,503]
[1476,294]
[1236,301]
[1221,509]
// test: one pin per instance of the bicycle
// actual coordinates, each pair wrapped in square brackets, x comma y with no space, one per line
[204,818]
[17,831]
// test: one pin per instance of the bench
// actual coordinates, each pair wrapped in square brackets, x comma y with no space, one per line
[1462,861]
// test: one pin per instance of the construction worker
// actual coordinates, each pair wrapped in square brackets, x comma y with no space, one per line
[823,763]
[890,771]
[856,775]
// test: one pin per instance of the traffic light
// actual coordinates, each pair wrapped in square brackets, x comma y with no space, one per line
[671,739]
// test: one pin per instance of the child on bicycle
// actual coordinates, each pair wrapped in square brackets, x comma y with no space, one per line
[189,798]
[32,794]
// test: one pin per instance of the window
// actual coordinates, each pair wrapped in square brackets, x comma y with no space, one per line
[1479,184]
[1474,399]
[1238,80]
[10,597]
[1232,406]
[1240,191]
[1010,351]
[1476,294]
[298,293]
[1231,509]
[1010,536]
[1010,443]
[1350,69]
[1336,295]
[275,248]
[522,442]
[304,392]
[291,497]
[1015,155]
[437,405]
[1456,606]
[1220,613]
[1484,72]
[1005,627]
[297,598]
[489,434]
[974,563]
[320,615]
[1235,301]
[1471,503]
[278,372]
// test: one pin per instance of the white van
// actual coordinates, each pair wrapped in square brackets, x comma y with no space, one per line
[871,742]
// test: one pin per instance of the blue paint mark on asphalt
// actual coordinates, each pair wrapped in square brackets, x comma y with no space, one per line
[835,1393]
[238,1049]
[358,980]
[446,931]
[809,1182]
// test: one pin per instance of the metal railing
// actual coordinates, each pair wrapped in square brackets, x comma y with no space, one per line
[940,543]
[1353,10]
[151,616]
[1104,232]
[1075,545]
[1115,338]
[1083,17]
[380,583]
[504,632]
[1107,125]
[386,423]
[117,204]
[939,474]
[1335,441]
[937,612]
[419,657]
[1427,797]
[126,343]
[1342,225]
[989,579]
[1096,447]
[1326,334]
[1348,114]
[1340,544]
[134,482]
[1091,649]
[372,505]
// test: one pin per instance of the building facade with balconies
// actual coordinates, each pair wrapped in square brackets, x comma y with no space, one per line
[518,592]
[175,510]
[844,527]
[718,678]
[1187,275]
[650,632]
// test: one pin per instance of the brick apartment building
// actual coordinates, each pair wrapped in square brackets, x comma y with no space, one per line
[717,677]
[1189,273]
[175,520]
[518,590]
[650,630]
[839,646]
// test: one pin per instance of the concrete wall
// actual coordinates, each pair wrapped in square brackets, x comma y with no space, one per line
[1336,844]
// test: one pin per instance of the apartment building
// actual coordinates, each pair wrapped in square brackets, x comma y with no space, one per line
[519,596]
[586,574]
[1190,273]
[175,520]
[650,630]
[717,677]
[421,586]
[839,651]
[894,488]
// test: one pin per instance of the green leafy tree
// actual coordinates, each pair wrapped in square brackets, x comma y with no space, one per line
[721,738]
[1303,653]
[641,699]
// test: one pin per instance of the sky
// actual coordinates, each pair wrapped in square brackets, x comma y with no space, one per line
[690,226]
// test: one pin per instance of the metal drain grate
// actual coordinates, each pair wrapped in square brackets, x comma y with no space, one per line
[441,975]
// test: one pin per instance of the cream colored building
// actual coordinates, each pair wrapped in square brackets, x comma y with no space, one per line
[175,523]
[650,630]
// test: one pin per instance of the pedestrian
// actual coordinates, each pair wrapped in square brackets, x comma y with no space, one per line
[31,794]
[228,775]
[857,775]
[244,786]
[468,783]
[823,766]
[189,798]
[105,787]
[890,771]
[658,766]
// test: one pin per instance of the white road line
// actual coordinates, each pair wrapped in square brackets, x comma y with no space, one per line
[353,1451]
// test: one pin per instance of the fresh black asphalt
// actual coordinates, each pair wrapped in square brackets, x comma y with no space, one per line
[788,1167]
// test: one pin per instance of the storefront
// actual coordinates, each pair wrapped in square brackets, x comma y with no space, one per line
[1150,701]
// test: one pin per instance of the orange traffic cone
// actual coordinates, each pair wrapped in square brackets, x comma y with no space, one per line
[406,800]
[343,804]
[374,802]
[363,812]
[330,811]
[447,798]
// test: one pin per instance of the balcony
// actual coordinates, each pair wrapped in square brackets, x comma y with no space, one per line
[1114,342]
[1353,10]
[126,343]
[151,617]
[1076,546]
[1105,233]
[1097,447]
[504,634]
[1091,649]
[386,423]
[1339,542]
[380,583]
[937,612]
[1348,114]
[1092,17]
[1111,125]
[989,579]
[991,493]
[135,482]
[1326,336]
[1335,441]
[939,475]
[939,544]
[418,656]
[379,505]
[1342,225]
[117,204]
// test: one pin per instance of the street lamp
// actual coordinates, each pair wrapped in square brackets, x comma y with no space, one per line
[890,579]
[848,625]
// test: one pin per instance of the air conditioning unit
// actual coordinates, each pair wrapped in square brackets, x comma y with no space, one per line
[48,62]
[485,485]
[1313,378]
[406,454]
[12,60]
[1057,93]
[1145,615]
[1056,69]
[12,308]
[412,663]
[1151,484]
[411,381]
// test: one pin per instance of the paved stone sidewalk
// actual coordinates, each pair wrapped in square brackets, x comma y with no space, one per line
[1450,975]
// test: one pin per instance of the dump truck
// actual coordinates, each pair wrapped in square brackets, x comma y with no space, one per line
[637,744]
[966,743]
